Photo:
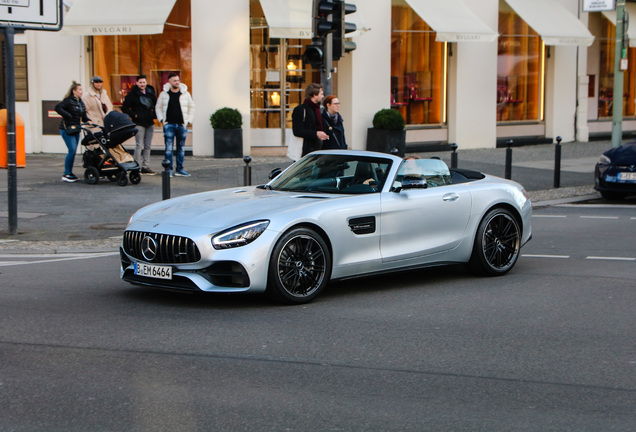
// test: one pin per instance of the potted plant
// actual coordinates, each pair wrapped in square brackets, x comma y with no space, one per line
[387,133]
[228,135]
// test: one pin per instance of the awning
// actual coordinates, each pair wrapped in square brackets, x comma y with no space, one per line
[288,19]
[554,23]
[117,17]
[630,8]
[291,19]
[453,21]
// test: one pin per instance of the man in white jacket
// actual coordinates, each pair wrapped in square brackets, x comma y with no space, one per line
[175,110]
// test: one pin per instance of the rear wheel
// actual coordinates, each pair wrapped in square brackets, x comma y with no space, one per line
[497,243]
[91,175]
[122,178]
[134,177]
[299,268]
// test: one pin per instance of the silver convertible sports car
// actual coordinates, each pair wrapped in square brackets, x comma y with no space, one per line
[332,215]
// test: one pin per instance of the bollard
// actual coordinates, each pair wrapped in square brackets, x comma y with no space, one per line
[165,179]
[247,171]
[508,168]
[454,155]
[557,163]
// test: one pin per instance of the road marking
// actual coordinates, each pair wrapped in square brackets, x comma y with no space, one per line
[549,216]
[610,258]
[65,257]
[599,217]
[546,256]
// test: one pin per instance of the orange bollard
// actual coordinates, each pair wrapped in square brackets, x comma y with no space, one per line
[19,141]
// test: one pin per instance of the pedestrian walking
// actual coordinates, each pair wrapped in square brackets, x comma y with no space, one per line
[73,112]
[175,110]
[334,125]
[139,104]
[307,120]
[97,102]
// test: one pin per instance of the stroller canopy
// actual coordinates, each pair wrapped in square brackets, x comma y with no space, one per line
[118,127]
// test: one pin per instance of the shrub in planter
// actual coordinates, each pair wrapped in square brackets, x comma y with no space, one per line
[387,134]
[228,135]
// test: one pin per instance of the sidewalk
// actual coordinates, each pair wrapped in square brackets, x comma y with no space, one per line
[55,216]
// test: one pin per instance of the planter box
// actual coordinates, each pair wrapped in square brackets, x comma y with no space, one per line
[228,143]
[382,140]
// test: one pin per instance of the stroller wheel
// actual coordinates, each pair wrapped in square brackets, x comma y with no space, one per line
[134,177]
[91,175]
[112,177]
[122,178]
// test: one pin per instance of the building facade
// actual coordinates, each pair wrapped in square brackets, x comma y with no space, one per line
[471,72]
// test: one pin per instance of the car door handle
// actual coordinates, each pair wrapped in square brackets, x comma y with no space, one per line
[450,197]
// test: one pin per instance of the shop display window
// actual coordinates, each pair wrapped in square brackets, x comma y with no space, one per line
[119,59]
[520,69]
[418,68]
[278,76]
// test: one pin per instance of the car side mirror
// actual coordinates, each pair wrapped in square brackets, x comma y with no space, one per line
[413,181]
[275,173]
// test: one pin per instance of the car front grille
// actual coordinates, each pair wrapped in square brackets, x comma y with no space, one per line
[170,249]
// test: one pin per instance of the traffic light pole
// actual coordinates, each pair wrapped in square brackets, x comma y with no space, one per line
[326,72]
[617,109]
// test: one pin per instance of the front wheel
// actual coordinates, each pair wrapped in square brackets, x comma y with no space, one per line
[299,268]
[134,177]
[497,243]
[91,175]
[122,178]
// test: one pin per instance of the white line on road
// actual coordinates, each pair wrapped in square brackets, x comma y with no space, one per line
[546,256]
[599,217]
[549,216]
[611,258]
[66,258]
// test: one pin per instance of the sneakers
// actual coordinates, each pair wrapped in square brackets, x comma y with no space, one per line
[147,171]
[71,178]
[181,173]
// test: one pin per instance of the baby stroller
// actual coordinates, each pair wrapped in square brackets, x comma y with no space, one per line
[105,156]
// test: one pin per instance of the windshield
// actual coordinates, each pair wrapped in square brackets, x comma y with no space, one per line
[338,174]
[435,172]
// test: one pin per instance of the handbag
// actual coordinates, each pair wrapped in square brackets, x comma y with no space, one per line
[71,129]
[294,143]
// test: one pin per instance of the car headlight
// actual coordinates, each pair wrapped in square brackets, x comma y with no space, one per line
[604,160]
[240,235]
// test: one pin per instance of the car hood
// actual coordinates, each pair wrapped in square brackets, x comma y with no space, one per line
[224,208]
[622,155]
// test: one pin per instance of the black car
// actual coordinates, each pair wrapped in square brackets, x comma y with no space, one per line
[615,172]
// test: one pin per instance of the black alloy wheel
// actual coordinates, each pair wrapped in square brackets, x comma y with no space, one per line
[300,267]
[497,243]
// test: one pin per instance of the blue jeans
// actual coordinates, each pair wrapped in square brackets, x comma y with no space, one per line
[71,142]
[170,132]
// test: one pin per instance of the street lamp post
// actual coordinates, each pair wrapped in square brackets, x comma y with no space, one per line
[620,54]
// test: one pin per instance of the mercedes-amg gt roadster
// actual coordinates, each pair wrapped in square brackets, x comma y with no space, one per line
[332,215]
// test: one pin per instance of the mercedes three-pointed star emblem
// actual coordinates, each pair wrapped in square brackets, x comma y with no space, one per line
[149,248]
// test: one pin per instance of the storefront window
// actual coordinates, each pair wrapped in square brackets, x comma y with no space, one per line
[119,59]
[278,77]
[418,68]
[520,69]
[606,74]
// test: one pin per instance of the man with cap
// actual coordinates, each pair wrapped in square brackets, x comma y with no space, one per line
[97,102]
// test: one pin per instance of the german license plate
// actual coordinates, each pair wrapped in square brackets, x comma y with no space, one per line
[627,176]
[153,271]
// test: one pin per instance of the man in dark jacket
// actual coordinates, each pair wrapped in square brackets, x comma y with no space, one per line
[307,120]
[139,104]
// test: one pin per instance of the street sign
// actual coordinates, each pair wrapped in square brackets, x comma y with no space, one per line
[31,14]
[598,5]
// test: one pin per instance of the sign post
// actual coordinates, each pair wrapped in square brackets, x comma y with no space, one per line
[20,15]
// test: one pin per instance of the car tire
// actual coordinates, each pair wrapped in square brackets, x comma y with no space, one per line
[299,268]
[497,243]
[612,196]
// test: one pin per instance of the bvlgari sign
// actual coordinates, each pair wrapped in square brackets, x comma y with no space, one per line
[598,5]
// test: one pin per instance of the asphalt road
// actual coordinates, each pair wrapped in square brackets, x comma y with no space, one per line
[549,347]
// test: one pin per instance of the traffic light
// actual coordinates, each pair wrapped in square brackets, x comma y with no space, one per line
[323,22]
[315,53]
[340,44]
